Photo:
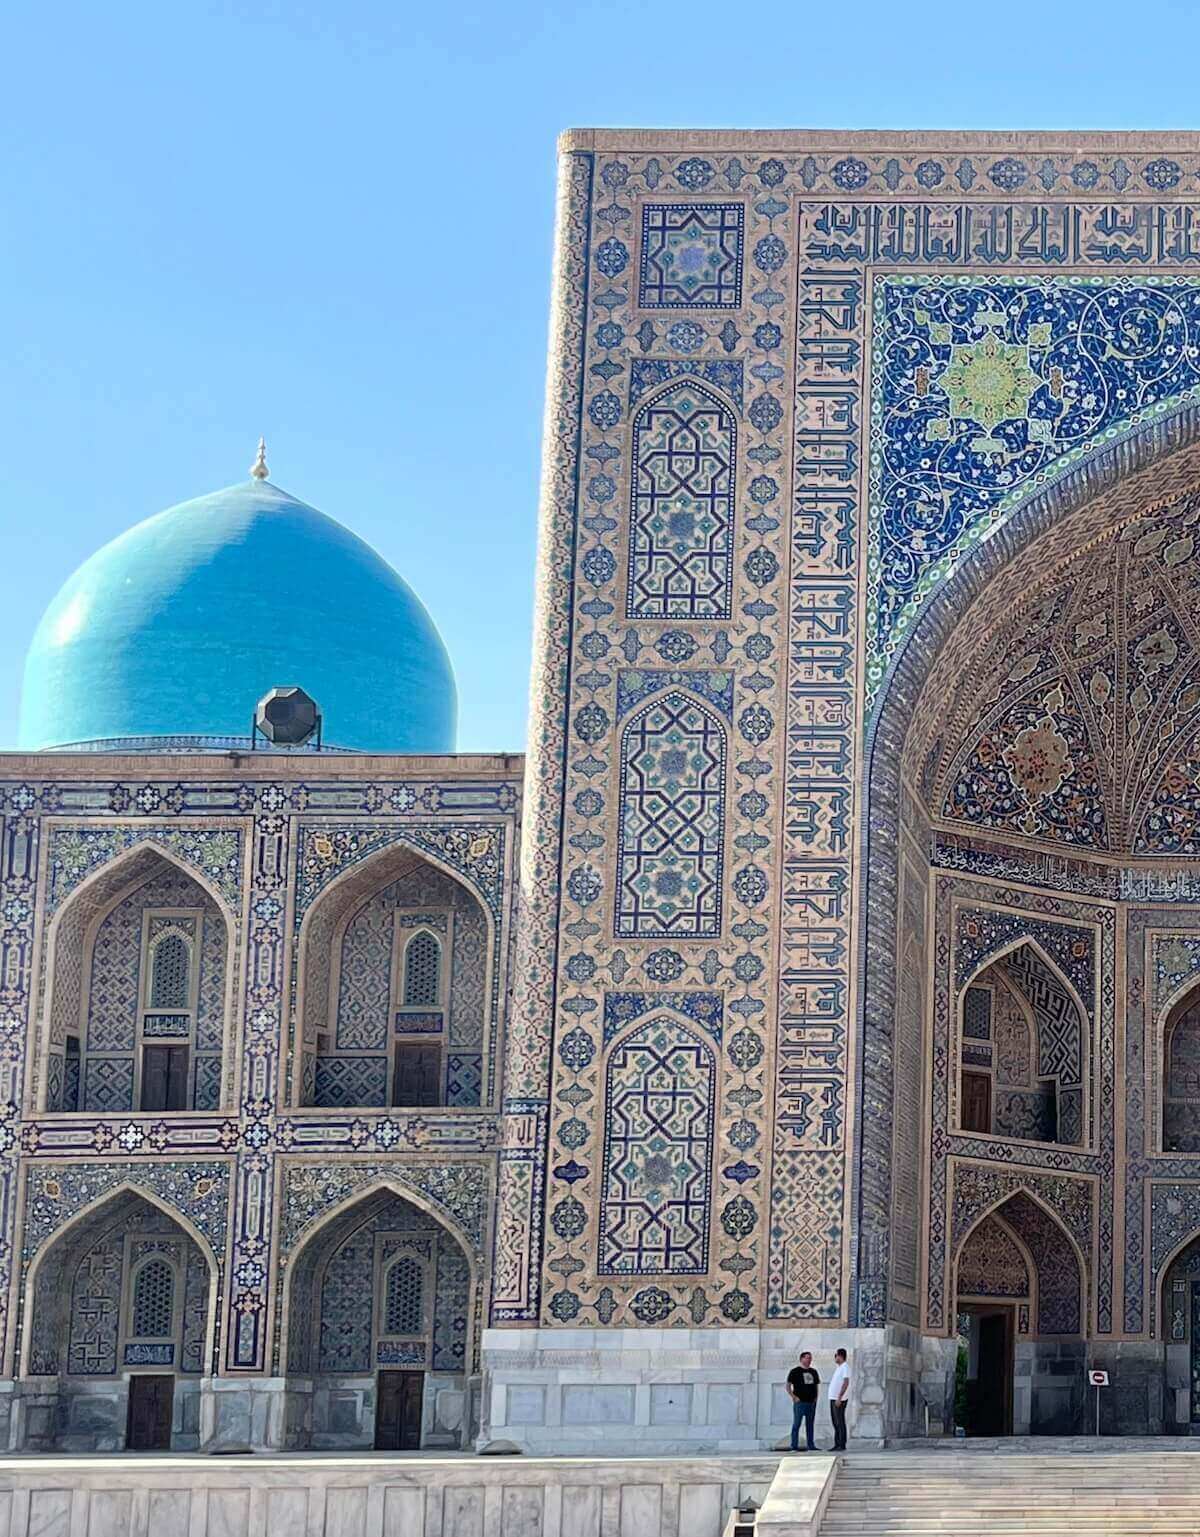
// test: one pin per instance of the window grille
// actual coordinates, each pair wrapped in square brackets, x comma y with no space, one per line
[422,971]
[404,1297]
[170,967]
[153,1301]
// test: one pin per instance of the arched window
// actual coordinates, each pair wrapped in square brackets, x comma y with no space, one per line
[170,972]
[404,1297]
[1181,1079]
[422,971]
[682,500]
[153,1311]
[670,830]
[1021,1053]
[168,1014]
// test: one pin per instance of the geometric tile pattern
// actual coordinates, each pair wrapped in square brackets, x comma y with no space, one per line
[1059,1289]
[373,1288]
[351,1081]
[659,1114]
[130,1267]
[681,533]
[153,1305]
[691,256]
[672,819]
[233,836]
[991,1263]
[464,1076]
[108,1084]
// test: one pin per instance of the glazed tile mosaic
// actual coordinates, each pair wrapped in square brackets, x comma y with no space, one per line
[830,969]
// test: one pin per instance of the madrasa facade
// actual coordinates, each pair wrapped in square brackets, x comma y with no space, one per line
[826,974]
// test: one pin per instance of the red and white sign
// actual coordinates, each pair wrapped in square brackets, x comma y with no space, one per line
[1098,1379]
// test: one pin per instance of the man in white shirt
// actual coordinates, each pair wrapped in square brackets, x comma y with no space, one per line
[839,1392]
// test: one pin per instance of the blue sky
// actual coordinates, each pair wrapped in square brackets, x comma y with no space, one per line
[331,223]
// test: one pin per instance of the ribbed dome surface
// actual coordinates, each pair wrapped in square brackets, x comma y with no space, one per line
[179,626]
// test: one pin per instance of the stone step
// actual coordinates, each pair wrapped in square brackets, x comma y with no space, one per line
[982,1494]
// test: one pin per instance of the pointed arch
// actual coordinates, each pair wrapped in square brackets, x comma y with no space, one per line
[1161,1311]
[422,970]
[1030,1295]
[1061,1234]
[1154,465]
[1177,1031]
[63,1239]
[304,1255]
[671,816]
[403,1295]
[320,938]
[67,950]
[1010,947]
[682,501]
[153,1293]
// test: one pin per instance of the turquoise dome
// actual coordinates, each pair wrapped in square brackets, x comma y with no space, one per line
[177,628]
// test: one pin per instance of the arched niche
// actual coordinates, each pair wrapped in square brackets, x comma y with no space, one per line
[1057,1274]
[1022,1051]
[660,1112]
[1181,1075]
[393,1002]
[137,1002]
[682,501]
[1144,483]
[127,1290]
[1019,1310]
[381,1299]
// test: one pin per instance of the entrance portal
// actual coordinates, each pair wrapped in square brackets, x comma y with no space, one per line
[988,1333]
[398,1411]
[151,1403]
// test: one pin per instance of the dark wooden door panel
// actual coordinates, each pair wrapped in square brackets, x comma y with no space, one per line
[976,1102]
[398,1411]
[164,1078]
[418,1076]
[151,1401]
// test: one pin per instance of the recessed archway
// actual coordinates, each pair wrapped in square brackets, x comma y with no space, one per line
[1141,485]
[1019,1282]
[123,1298]
[380,1302]
[394,989]
[138,992]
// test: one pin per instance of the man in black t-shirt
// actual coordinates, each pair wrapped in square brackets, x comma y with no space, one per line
[802,1385]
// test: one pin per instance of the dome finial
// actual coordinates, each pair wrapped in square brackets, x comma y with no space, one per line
[259,468]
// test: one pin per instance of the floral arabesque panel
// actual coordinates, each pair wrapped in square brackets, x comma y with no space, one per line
[980,388]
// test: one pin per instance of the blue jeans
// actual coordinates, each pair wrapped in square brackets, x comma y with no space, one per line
[803,1414]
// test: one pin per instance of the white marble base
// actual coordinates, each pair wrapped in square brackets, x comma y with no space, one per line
[376,1496]
[671,1391]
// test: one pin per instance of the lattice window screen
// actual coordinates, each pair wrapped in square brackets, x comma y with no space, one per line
[422,970]
[153,1301]
[404,1297]
[170,968]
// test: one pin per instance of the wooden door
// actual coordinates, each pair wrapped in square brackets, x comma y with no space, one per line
[418,1076]
[164,1078]
[151,1401]
[976,1102]
[398,1398]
